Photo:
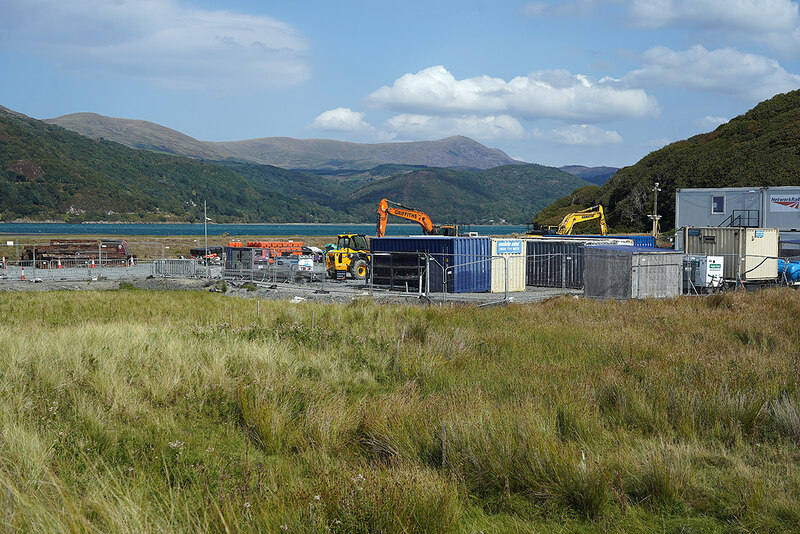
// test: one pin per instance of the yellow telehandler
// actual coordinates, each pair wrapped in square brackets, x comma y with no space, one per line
[351,255]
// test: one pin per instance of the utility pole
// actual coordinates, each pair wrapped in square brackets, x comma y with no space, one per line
[205,232]
[655,216]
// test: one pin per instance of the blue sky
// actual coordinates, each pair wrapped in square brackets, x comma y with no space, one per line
[592,82]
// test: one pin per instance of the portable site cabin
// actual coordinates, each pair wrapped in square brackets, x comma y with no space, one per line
[748,207]
[750,253]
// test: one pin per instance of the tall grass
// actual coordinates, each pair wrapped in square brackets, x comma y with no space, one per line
[179,411]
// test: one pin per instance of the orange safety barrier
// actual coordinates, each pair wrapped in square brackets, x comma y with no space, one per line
[280,248]
[235,244]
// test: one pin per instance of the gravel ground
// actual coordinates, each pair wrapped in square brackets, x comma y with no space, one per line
[317,291]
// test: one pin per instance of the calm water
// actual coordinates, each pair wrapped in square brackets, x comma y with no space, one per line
[121,229]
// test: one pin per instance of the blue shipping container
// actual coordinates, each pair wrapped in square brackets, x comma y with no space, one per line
[459,264]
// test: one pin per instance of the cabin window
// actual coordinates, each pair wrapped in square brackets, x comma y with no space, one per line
[717,204]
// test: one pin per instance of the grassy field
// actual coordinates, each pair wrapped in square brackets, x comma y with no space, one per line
[134,411]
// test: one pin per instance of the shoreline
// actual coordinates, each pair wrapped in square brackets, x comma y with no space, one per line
[232,223]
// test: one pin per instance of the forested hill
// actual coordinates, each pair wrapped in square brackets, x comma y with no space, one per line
[49,173]
[510,193]
[759,148]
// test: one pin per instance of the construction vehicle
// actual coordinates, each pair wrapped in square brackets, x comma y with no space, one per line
[384,210]
[571,219]
[351,255]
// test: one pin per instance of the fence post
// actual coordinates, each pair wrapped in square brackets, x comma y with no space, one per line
[427,274]
[506,286]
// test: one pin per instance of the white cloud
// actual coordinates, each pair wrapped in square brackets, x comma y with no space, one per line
[572,8]
[774,22]
[161,41]
[725,70]
[432,127]
[544,94]
[341,120]
[751,16]
[712,122]
[536,9]
[580,134]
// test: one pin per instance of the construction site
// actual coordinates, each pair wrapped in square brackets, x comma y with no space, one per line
[444,263]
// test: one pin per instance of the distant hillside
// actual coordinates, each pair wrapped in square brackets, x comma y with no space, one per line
[759,148]
[139,134]
[327,154]
[286,152]
[594,175]
[511,193]
[47,172]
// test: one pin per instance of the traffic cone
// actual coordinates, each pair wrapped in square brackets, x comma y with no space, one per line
[92,267]
[23,274]
[4,261]
[59,264]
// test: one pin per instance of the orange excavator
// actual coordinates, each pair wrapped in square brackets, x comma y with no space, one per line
[384,210]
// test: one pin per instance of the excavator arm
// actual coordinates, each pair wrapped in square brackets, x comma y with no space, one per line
[384,210]
[571,219]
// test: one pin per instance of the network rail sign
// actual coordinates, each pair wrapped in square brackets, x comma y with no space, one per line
[790,203]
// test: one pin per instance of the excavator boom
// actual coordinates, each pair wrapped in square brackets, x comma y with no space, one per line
[571,219]
[384,210]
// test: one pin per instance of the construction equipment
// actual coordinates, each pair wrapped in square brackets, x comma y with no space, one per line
[571,219]
[351,255]
[384,210]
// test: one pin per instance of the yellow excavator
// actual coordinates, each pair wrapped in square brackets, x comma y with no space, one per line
[571,219]
[428,228]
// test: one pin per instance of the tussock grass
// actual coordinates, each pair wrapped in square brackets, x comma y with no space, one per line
[180,411]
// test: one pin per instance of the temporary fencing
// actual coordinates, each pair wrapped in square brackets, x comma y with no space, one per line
[435,278]
[175,268]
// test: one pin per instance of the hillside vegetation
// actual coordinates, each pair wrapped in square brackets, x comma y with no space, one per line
[510,193]
[133,411]
[47,172]
[759,148]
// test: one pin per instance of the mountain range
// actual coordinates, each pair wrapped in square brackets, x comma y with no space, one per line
[595,175]
[48,172]
[286,152]
[759,148]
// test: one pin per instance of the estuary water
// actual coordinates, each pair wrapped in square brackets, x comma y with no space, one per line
[125,229]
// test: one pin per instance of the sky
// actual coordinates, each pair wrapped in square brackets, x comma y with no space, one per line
[583,82]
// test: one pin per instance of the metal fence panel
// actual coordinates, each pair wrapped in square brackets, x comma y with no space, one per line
[175,268]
